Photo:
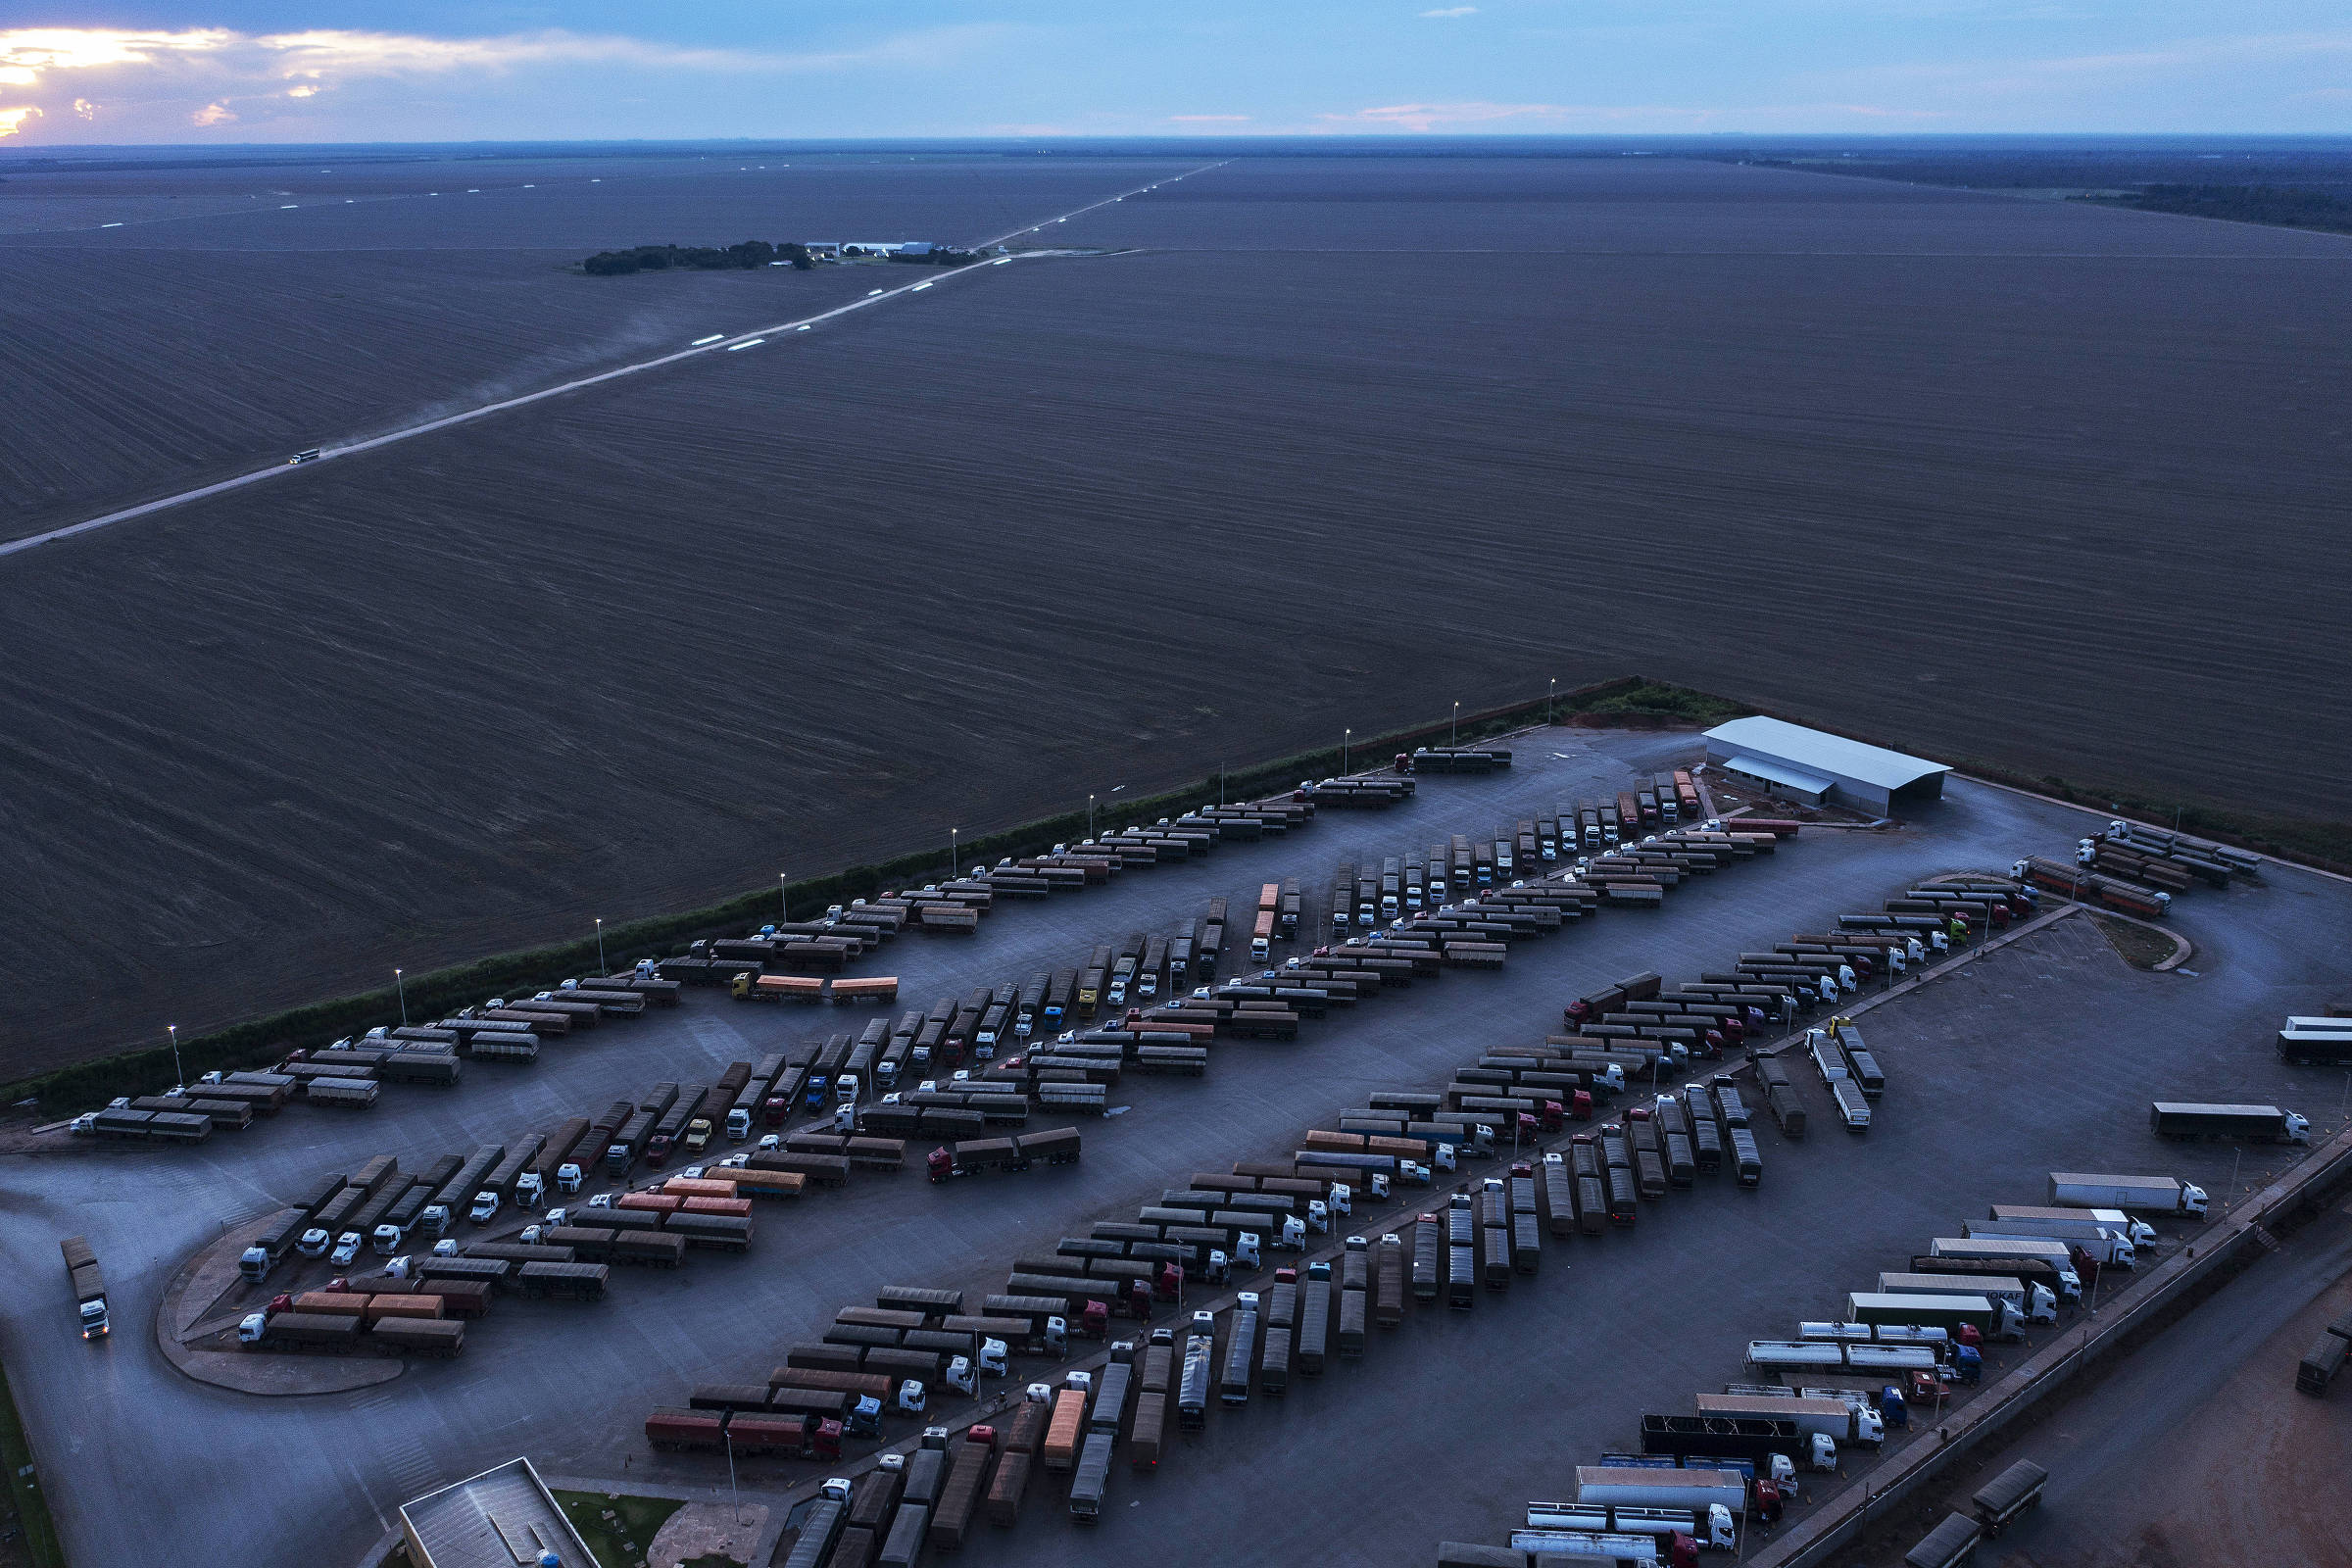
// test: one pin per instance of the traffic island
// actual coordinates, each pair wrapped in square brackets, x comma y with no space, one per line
[196,1327]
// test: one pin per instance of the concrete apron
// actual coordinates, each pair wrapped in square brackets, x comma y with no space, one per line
[1840,1519]
[191,1310]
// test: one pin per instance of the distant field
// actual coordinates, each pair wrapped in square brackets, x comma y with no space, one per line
[2047,485]
[179,349]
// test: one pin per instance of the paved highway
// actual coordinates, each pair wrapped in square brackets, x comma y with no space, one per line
[313,1478]
[725,343]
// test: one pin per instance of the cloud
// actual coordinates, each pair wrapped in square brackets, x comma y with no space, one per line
[196,74]
[85,109]
[12,121]
[1428,117]
[1451,11]
[1209,120]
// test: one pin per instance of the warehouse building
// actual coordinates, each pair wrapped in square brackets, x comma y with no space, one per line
[502,1518]
[1816,767]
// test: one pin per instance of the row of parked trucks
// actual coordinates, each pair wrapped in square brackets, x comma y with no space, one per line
[381,1209]
[349,1074]
[2164,861]
[1072,1070]
[569,1256]
[1848,1382]
[1217,1224]
[811,949]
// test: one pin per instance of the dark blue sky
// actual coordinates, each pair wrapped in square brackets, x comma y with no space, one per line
[425,69]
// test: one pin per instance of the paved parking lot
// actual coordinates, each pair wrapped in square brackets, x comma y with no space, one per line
[2042,1054]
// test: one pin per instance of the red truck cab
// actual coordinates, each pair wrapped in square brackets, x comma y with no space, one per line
[1093,1321]
[1580,1104]
[774,1109]
[939,1164]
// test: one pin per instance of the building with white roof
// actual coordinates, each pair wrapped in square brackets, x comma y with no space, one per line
[1814,766]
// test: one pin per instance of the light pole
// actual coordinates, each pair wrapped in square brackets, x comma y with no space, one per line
[402,986]
[731,1487]
[1090,816]
[178,1076]
[953,870]
[1346,739]
[1548,695]
[600,943]
[1456,733]
[784,895]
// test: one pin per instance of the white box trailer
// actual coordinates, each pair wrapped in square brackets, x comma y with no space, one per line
[2137,1231]
[2149,1194]
[1993,1287]
[2057,1251]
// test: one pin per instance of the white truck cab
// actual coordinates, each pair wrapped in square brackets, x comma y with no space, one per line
[486,1207]
[529,1191]
[313,1243]
[568,1177]
[385,1239]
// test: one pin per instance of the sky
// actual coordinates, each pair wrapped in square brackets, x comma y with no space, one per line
[72,73]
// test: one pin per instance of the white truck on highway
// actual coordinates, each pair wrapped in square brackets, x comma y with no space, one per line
[2147,1194]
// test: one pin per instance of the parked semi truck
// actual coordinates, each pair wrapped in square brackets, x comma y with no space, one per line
[1696,1491]
[2146,1194]
[2102,1245]
[2260,1124]
[2326,1042]
[1836,1420]
[2070,1223]
[2029,1269]
[1992,1318]
[89,1286]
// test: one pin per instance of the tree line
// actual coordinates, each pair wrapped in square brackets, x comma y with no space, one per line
[745,254]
